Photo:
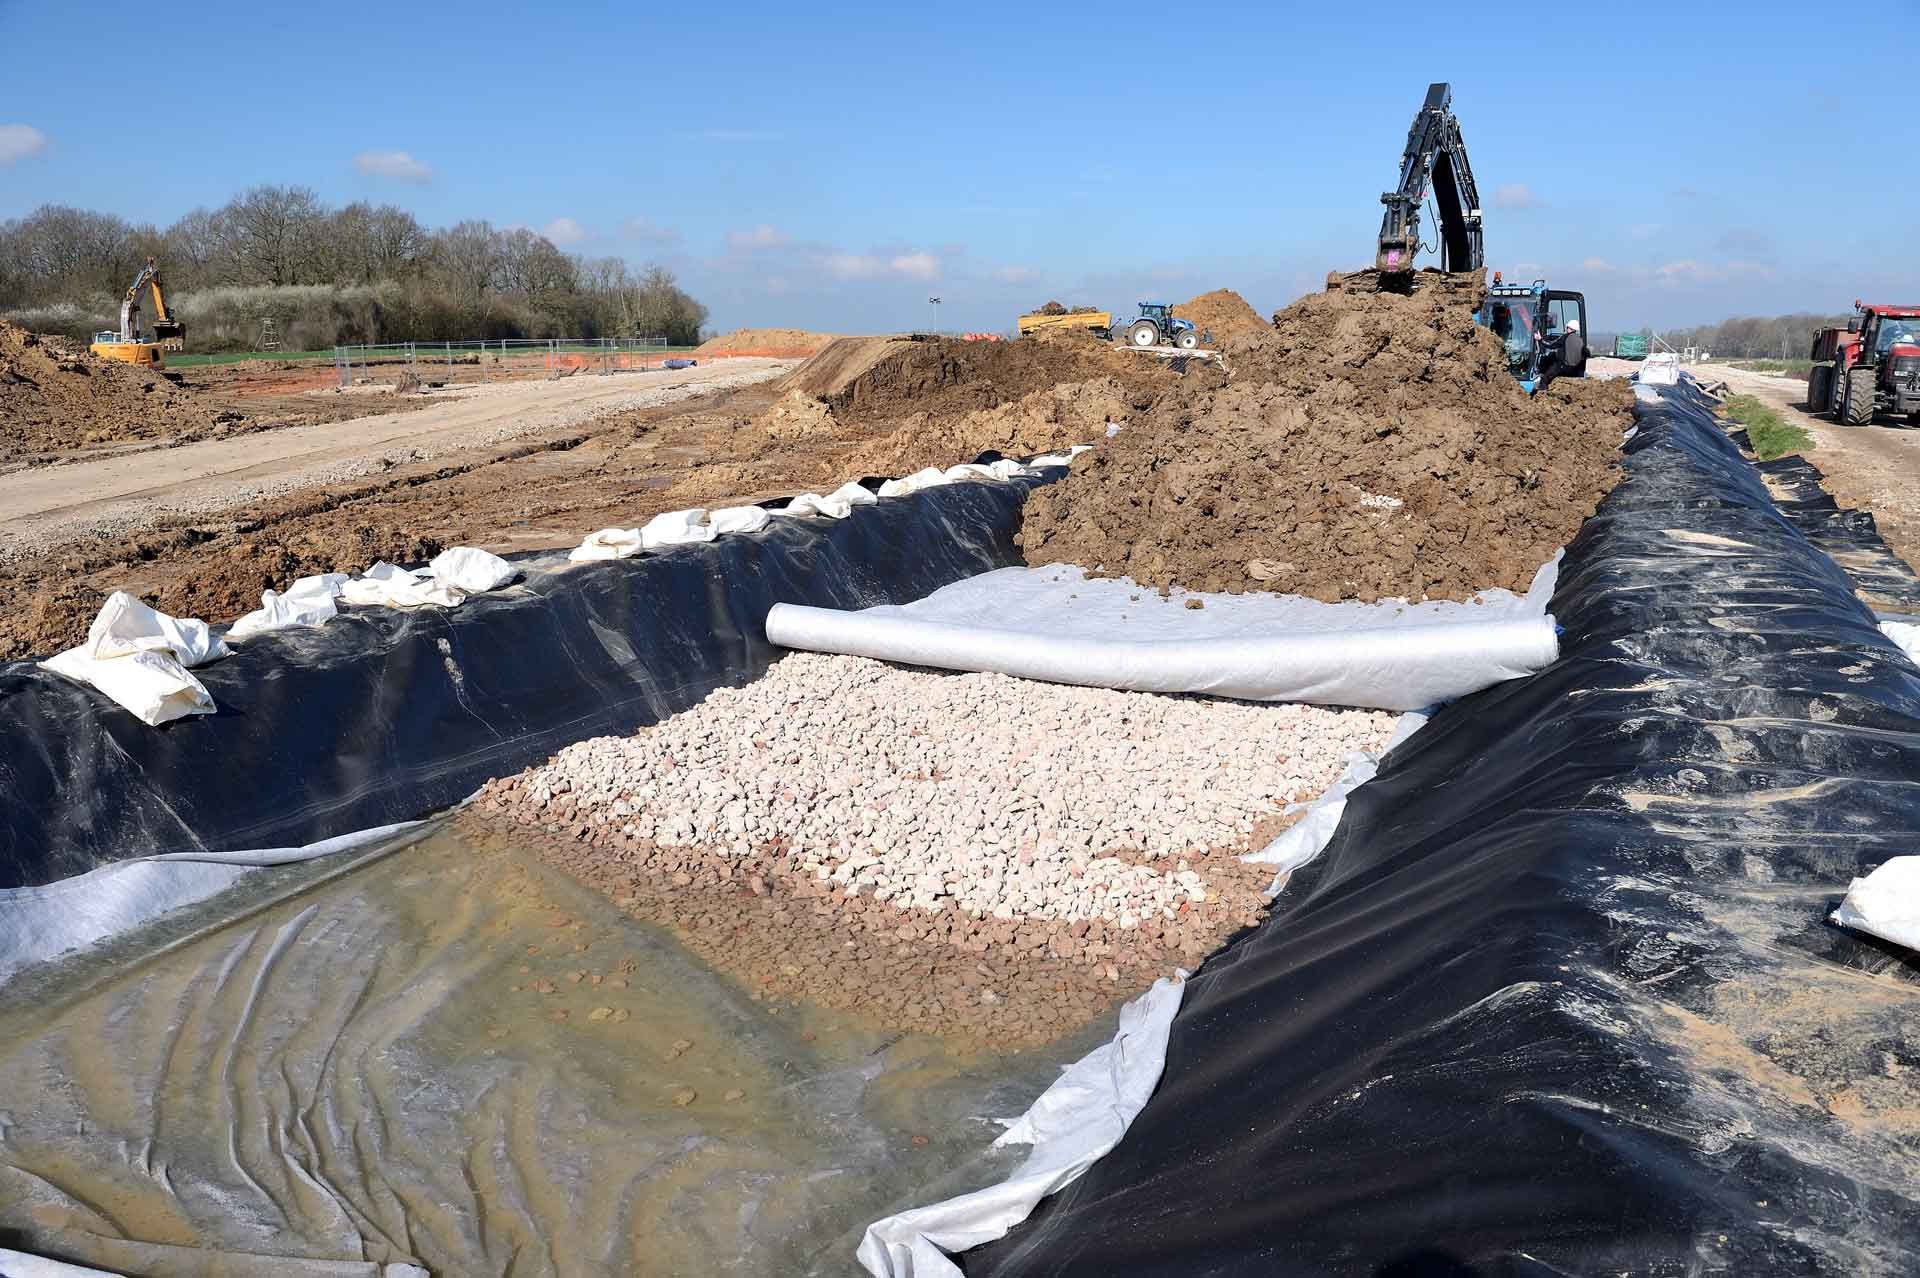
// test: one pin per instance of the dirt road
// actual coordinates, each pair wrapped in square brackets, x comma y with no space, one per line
[1874,468]
[51,506]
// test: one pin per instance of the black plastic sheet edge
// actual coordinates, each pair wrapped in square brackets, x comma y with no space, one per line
[384,715]
[1561,995]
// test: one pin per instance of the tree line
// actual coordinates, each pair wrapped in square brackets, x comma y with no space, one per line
[1745,336]
[325,275]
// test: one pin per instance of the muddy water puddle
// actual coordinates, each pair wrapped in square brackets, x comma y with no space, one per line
[455,1057]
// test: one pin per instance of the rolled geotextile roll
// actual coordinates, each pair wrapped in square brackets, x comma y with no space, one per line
[1389,668]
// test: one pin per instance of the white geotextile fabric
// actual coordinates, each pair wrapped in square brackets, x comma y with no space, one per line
[1308,837]
[1071,1126]
[1906,634]
[1886,903]
[139,658]
[1058,625]
[39,923]
[446,582]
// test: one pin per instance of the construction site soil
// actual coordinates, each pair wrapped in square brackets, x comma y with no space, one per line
[1223,312]
[1369,445]
[548,489]
[784,343]
[59,402]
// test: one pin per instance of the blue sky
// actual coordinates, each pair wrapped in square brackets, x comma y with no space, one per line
[831,166]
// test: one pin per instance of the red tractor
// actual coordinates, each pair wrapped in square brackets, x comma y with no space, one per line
[1870,366]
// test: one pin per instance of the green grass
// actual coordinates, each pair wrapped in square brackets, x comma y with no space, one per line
[1772,435]
[237,357]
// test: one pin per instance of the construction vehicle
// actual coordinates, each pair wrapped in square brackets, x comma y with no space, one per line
[1544,329]
[1099,321]
[1871,366]
[1157,325]
[127,346]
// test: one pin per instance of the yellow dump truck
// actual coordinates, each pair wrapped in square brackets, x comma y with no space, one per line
[1101,320]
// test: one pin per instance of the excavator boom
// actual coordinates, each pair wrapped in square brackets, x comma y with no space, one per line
[1435,163]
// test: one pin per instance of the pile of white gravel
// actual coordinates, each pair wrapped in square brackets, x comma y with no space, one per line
[977,792]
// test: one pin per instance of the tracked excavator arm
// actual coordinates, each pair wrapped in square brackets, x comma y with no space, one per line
[167,330]
[1435,163]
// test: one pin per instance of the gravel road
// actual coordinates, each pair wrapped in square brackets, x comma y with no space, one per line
[50,506]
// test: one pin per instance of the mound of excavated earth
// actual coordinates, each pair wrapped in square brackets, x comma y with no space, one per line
[786,343]
[1223,312]
[1370,445]
[56,396]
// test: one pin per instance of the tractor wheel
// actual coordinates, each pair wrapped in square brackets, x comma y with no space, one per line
[1820,389]
[1144,333]
[1856,408]
[1189,339]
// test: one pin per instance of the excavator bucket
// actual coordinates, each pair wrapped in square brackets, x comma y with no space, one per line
[171,334]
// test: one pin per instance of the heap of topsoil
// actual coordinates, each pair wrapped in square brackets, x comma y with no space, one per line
[56,396]
[1369,445]
[1223,312]
[894,405]
[785,343]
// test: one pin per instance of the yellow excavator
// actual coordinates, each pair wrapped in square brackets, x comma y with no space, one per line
[169,334]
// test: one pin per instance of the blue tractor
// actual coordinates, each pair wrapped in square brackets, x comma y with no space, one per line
[1544,330]
[1158,326]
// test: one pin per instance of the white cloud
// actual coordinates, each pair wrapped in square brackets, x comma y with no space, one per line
[1016,274]
[19,142]
[760,237]
[1692,271]
[645,228]
[1516,195]
[919,266]
[398,165]
[1596,265]
[564,231]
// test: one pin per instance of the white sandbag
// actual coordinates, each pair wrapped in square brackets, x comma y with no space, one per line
[931,477]
[126,625]
[1886,903]
[389,586]
[1662,368]
[1057,625]
[310,601]
[608,543]
[837,504]
[470,570]
[137,658]
[151,686]
[738,519]
[1070,1127]
[676,528]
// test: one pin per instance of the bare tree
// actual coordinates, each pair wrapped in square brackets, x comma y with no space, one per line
[274,232]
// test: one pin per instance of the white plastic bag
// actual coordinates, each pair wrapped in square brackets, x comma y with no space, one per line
[470,570]
[1886,903]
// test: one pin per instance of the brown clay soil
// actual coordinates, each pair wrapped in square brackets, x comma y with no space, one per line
[943,377]
[59,402]
[783,934]
[1223,312]
[548,488]
[1371,445]
[783,343]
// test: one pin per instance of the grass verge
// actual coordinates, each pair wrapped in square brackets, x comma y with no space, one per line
[1772,435]
[239,357]
[1791,367]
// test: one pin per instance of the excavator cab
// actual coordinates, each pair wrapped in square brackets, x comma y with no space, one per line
[1543,329]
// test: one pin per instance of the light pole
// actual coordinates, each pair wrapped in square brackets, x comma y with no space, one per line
[933,309]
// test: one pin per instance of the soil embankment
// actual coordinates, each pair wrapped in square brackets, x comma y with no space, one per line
[1370,445]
